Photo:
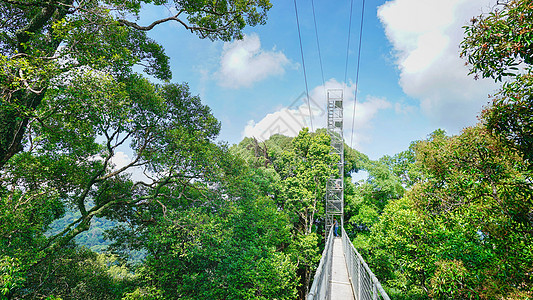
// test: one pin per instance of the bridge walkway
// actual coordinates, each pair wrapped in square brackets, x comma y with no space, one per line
[343,274]
[340,285]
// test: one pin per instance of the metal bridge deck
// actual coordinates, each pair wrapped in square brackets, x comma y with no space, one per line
[343,274]
[341,287]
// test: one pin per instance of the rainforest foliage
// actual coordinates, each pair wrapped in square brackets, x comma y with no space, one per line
[463,230]
[452,217]
[184,217]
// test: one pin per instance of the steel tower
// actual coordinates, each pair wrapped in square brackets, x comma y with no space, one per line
[335,184]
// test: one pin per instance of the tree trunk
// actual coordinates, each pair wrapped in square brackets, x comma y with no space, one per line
[13,123]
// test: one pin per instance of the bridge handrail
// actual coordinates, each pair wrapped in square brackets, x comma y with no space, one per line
[357,276]
[320,287]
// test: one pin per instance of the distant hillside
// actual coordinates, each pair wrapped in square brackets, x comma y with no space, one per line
[93,238]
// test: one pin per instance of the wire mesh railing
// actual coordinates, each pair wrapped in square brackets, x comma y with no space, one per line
[321,282]
[365,285]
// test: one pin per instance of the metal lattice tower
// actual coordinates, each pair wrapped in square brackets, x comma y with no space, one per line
[335,184]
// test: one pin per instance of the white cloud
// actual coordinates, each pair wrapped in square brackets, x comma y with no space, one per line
[426,36]
[121,159]
[403,109]
[285,121]
[243,63]
[290,120]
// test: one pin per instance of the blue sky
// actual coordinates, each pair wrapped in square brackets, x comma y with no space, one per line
[411,78]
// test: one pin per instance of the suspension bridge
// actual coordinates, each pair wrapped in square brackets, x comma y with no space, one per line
[342,272]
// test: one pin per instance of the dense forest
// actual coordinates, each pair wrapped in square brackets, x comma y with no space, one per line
[189,218]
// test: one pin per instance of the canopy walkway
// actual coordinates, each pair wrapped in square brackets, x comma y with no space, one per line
[342,272]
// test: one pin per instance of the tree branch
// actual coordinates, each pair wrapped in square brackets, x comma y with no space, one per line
[151,26]
[27,3]
[23,34]
[131,164]
[174,18]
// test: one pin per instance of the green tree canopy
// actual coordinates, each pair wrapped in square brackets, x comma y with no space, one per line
[464,230]
[71,159]
[499,45]
[72,106]
[222,238]
[295,172]
[46,40]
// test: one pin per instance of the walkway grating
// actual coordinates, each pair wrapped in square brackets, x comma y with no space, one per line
[341,288]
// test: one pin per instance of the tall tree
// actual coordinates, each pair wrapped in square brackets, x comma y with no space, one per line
[464,231]
[304,171]
[499,45]
[294,174]
[42,41]
[222,238]
[71,160]
[71,104]
[304,168]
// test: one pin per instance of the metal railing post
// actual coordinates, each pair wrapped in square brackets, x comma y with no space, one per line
[320,288]
[365,284]
[359,280]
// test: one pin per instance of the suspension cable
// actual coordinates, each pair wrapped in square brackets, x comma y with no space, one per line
[357,71]
[318,44]
[303,65]
[348,45]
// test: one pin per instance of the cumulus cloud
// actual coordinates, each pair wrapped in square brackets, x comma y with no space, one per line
[121,159]
[426,36]
[285,121]
[243,63]
[291,119]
